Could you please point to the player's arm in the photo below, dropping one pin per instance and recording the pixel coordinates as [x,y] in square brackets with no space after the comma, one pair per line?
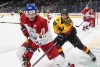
[23,28]
[56,28]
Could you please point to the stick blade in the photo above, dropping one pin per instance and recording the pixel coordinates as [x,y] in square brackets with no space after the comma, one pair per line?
[77,26]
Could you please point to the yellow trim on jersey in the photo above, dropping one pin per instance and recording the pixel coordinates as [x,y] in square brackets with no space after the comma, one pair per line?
[87,50]
[65,27]
[60,50]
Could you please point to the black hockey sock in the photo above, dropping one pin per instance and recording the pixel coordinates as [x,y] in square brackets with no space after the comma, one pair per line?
[62,54]
[60,50]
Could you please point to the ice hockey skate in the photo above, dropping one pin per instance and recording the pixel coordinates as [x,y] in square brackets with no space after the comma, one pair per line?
[70,65]
[92,56]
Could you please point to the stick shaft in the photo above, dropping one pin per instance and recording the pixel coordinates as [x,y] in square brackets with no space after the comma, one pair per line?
[10,22]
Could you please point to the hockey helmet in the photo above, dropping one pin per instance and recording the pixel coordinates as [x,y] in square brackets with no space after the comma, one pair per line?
[30,8]
[64,11]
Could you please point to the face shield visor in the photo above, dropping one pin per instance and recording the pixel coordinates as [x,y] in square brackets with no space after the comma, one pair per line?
[31,14]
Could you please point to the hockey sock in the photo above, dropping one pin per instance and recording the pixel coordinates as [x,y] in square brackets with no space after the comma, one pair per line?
[86,50]
[60,50]
[62,54]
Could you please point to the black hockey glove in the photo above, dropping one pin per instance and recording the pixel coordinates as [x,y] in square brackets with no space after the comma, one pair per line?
[23,28]
[59,39]
[29,48]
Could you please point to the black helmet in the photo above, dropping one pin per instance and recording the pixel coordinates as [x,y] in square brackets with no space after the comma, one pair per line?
[64,11]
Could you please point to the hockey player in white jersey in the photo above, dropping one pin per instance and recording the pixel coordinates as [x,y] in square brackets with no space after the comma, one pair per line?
[86,18]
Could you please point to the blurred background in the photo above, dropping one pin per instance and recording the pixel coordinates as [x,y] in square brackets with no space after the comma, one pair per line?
[54,6]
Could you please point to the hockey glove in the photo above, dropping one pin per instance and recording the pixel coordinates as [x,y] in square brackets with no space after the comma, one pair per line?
[59,39]
[28,53]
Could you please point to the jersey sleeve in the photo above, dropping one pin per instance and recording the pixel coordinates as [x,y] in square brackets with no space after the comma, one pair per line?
[23,20]
[55,27]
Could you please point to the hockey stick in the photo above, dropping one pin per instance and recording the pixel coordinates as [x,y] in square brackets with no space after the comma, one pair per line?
[10,22]
[87,4]
[83,9]
[79,25]
[43,55]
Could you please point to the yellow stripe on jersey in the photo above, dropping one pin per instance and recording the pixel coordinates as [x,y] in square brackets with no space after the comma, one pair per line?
[87,50]
[60,50]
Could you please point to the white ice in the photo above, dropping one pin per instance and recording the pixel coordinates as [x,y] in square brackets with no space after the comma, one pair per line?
[11,38]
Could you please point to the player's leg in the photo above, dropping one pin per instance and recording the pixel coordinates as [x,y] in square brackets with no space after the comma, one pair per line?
[25,53]
[84,26]
[20,52]
[93,22]
[75,41]
[60,50]
[54,54]
[87,24]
